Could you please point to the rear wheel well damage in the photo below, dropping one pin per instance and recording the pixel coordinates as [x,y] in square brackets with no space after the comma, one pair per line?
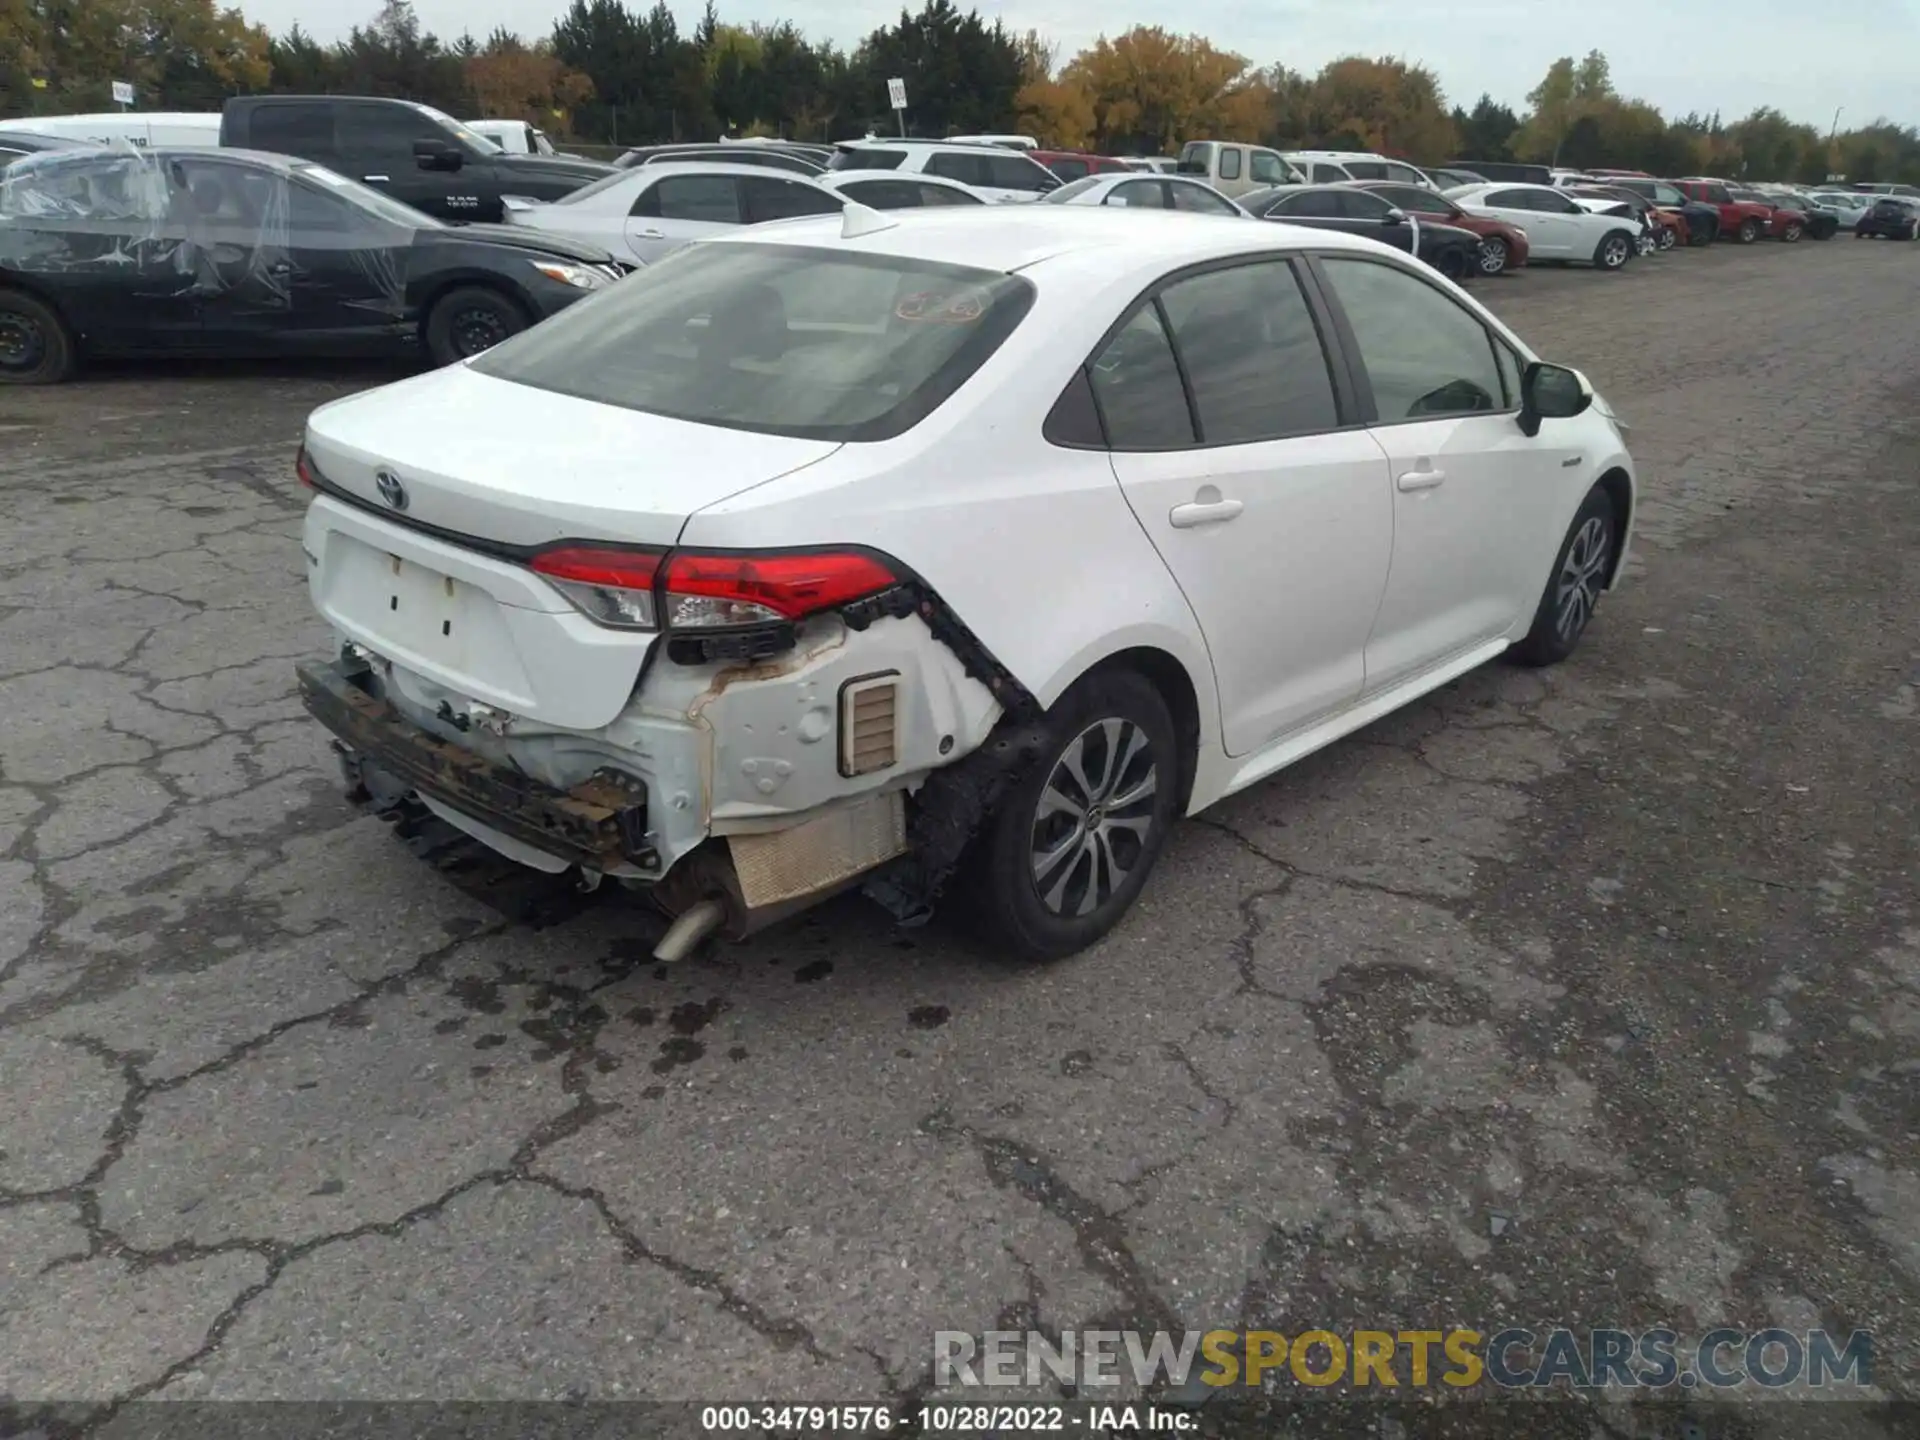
[956,802]
[1619,492]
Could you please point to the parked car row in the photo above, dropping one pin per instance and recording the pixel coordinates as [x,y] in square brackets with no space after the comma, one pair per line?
[363,225]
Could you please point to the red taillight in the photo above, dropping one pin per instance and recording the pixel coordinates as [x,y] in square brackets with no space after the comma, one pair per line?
[303,467]
[612,586]
[716,590]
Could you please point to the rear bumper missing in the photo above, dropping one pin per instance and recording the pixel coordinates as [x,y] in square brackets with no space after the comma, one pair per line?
[599,824]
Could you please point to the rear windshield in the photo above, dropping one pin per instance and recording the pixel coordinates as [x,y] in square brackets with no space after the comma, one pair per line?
[778,339]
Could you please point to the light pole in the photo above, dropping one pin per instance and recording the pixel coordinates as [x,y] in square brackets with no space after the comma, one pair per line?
[1835,130]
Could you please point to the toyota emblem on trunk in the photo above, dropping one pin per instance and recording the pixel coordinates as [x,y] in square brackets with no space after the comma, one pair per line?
[391,490]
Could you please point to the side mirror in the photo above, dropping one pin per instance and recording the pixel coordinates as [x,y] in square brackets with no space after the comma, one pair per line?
[436,155]
[1395,216]
[1551,392]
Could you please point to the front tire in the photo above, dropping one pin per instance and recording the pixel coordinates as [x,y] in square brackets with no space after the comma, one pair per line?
[1073,842]
[36,348]
[1494,256]
[1615,250]
[1579,574]
[470,320]
[1748,232]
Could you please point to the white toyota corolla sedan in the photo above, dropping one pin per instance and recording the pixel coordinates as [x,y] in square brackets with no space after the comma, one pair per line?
[956,551]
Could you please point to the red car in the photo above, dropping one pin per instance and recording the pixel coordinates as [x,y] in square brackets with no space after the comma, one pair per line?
[1740,220]
[1072,165]
[1503,247]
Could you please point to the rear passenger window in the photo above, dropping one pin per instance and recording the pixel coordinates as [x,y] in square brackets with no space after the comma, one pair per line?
[1229,163]
[1200,199]
[1069,169]
[1138,195]
[710,199]
[303,130]
[1252,354]
[885,194]
[771,199]
[943,195]
[1137,386]
[967,169]
[1425,355]
[1016,172]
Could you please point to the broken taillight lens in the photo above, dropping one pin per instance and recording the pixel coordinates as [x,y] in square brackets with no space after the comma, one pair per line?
[612,586]
[726,590]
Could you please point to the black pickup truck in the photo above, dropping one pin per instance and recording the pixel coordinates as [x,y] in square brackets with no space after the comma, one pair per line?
[412,152]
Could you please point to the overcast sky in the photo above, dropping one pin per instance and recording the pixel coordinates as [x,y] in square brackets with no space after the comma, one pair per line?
[1801,56]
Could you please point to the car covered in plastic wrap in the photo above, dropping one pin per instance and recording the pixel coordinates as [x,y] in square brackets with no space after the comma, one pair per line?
[221,252]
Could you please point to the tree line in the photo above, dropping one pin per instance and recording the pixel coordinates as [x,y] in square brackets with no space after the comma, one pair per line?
[614,74]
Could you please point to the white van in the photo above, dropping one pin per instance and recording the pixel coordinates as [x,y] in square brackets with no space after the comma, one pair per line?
[138,127]
[1235,169]
[516,137]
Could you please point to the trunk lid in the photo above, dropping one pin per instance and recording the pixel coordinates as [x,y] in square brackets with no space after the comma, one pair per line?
[516,466]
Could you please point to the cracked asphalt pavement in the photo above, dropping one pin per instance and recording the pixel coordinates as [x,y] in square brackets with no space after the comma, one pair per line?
[1586,997]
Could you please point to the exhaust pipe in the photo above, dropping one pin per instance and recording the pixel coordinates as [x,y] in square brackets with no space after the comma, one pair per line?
[689,928]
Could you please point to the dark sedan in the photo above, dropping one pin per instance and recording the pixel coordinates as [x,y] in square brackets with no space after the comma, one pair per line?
[1892,217]
[1452,251]
[1503,247]
[1701,219]
[230,252]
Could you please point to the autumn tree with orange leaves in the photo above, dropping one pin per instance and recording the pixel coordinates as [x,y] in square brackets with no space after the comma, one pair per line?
[513,80]
[1145,91]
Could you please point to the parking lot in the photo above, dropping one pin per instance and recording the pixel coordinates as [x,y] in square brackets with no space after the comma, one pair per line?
[1585,997]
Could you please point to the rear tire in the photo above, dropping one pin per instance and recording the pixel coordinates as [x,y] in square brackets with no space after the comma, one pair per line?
[1668,239]
[1574,585]
[36,348]
[1792,234]
[1042,882]
[1748,232]
[470,320]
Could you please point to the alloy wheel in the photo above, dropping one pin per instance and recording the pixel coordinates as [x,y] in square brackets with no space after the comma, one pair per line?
[1582,574]
[1094,817]
[1493,255]
[1614,253]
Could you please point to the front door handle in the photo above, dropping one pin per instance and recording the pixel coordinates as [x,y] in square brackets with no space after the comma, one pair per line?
[1203,512]
[378,179]
[1421,479]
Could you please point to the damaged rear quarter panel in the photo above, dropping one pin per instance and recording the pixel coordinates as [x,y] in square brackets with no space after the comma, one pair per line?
[773,727]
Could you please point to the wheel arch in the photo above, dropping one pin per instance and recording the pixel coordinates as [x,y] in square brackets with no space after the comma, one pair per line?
[25,286]
[1185,682]
[1617,486]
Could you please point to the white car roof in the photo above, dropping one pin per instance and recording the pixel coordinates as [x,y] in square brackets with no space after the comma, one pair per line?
[1467,192]
[918,146]
[715,167]
[1012,237]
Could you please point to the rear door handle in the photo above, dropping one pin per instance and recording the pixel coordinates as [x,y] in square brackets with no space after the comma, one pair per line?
[1209,512]
[1421,479]
[378,179]
[651,235]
